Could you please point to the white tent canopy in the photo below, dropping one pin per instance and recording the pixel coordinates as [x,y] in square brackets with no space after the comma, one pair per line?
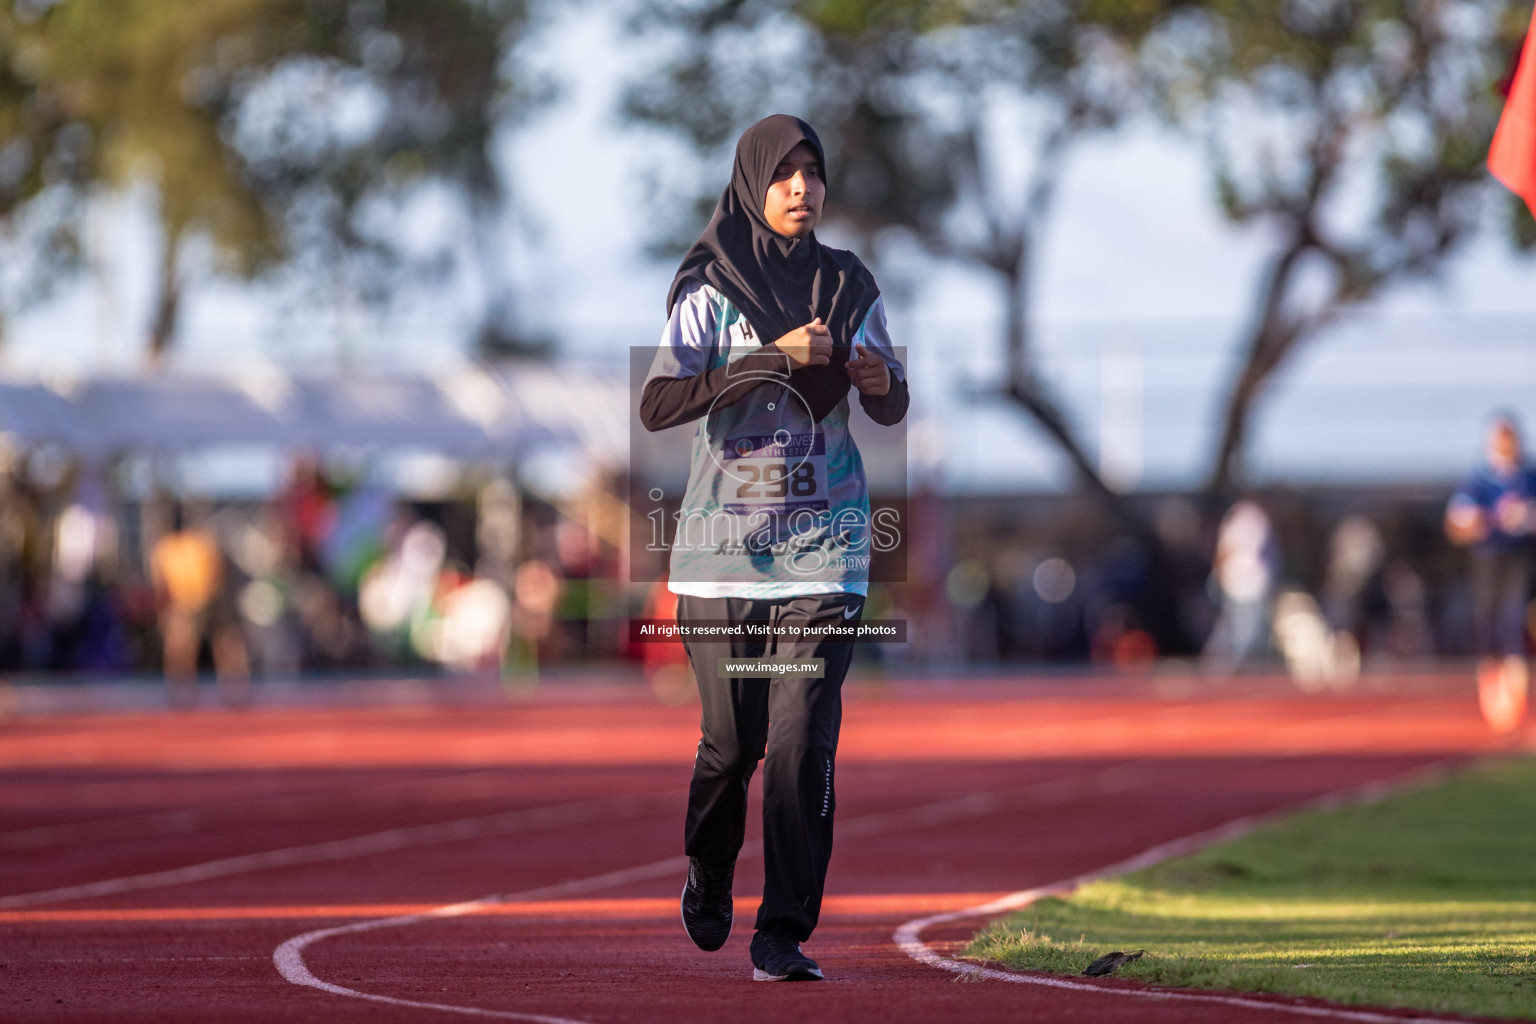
[508,410]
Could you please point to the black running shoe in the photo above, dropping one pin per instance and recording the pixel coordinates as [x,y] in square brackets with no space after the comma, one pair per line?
[777,957]
[707,908]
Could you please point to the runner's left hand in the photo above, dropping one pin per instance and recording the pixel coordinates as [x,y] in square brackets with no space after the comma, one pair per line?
[1513,513]
[869,373]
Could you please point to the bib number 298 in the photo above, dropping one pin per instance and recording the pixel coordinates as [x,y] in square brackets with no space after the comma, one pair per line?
[775,480]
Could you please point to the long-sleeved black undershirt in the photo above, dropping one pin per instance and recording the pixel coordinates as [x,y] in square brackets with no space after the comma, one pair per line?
[672,401]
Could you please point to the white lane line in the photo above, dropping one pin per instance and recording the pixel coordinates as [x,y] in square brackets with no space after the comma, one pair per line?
[258,810]
[577,813]
[289,957]
[506,823]
[909,936]
[131,959]
[267,809]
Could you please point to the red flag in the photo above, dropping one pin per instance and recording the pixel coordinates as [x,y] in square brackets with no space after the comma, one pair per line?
[1512,157]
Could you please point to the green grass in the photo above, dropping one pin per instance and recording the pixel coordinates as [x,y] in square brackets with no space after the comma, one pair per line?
[1426,900]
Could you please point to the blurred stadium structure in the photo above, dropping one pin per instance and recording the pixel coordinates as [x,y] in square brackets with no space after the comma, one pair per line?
[509,474]
[478,414]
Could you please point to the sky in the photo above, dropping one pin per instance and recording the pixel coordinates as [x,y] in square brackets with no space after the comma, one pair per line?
[1141,298]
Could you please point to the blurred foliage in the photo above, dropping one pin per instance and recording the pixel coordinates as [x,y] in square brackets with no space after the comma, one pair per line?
[1356,129]
[903,93]
[926,110]
[1522,226]
[267,127]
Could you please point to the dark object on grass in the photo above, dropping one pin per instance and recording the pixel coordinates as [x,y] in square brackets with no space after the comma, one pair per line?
[1111,962]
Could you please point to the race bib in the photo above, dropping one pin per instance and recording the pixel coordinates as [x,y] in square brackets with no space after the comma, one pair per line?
[778,474]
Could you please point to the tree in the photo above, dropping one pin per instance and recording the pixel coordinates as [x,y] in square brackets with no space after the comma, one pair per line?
[921,105]
[1357,130]
[270,127]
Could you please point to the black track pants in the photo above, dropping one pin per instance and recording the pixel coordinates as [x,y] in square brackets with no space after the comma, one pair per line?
[1501,585]
[795,722]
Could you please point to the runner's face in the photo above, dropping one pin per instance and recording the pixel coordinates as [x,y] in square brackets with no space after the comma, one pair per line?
[796,193]
[1503,447]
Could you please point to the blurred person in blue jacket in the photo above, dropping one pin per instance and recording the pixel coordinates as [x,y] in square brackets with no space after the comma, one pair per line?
[1243,576]
[1494,515]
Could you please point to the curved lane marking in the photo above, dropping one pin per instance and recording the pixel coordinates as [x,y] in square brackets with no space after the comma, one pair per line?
[289,958]
[908,937]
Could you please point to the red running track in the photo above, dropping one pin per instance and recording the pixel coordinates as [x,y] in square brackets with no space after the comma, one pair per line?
[152,864]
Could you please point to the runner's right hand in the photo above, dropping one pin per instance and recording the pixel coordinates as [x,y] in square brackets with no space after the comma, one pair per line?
[810,345]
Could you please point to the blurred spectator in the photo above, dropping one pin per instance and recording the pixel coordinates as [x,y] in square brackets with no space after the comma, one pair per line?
[1315,654]
[493,573]
[1494,514]
[332,638]
[188,572]
[1119,640]
[498,530]
[265,602]
[972,593]
[353,537]
[666,664]
[577,553]
[1352,596]
[1118,633]
[536,592]
[308,509]
[86,614]
[475,627]
[1244,571]
[395,597]
[1407,632]
[1178,525]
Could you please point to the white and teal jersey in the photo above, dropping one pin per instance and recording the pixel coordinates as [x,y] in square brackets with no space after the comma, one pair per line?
[776,505]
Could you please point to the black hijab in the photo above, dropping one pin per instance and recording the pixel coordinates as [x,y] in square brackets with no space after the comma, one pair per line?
[780,283]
